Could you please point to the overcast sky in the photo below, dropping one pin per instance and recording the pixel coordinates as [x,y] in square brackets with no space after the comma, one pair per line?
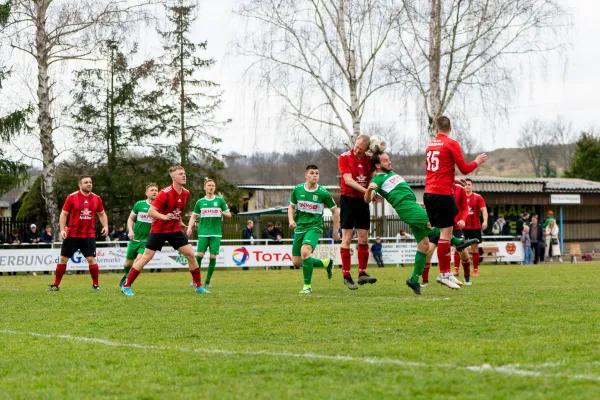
[558,88]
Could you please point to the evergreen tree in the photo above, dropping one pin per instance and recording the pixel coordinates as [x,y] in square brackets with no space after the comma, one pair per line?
[584,164]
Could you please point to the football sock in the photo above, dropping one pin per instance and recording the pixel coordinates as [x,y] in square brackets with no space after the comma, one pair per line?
[199,259]
[60,271]
[476,261]
[346,263]
[420,259]
[467,268]
[211,268]
[196,277]
[363,258]
[456,261]
[131,276]
[126,269]
[317,263]
[425,271]
[444,256]
[307,270]
[94,274]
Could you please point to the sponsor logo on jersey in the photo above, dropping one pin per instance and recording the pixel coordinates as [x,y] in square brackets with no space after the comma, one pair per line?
[310,207]
[315,197]
[210,212]
[362,180]
[391,183]
[177,212]
[144,217]
[85,202]
[179,201]
[86,214]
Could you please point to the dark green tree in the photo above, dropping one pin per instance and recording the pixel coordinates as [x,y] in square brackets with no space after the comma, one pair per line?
[190,103]
[12,174]
[584,164]
[549,170]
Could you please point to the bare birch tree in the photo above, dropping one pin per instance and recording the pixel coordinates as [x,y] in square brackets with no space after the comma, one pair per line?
[322,58]
[565,137]
[468,51]
[53,31]
[537,142]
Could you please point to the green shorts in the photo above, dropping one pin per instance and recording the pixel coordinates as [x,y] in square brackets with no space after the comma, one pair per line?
[300,239]
[212,242]
[415,216]
[134,248]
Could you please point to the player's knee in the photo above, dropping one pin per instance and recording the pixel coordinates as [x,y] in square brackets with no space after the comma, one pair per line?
[200,254]
[213,256]
[91,260]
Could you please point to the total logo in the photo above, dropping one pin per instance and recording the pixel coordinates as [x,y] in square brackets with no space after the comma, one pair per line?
[241,256]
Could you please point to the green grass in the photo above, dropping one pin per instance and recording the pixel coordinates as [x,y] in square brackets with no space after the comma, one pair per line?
[517,333]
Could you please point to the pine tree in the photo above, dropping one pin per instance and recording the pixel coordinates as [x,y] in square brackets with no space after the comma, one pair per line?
[584,164]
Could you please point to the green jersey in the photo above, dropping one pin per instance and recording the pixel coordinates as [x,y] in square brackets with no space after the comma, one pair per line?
[309,206]
[143,222]
[393,188]
[210,211]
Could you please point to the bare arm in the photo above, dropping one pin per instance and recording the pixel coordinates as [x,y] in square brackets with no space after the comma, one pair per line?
[130,221]
[291,215]
[63,224]
[484,212]
[336,224]
[191,223]
[352,183]
[104,221]
[153,213]
[226,214]
[369,195]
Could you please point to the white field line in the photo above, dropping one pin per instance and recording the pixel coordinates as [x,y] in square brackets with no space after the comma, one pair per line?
[512,369]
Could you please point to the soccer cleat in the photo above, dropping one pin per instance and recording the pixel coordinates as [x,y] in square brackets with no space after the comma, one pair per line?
[192,284]
[307,290]
[201,290]
[330,269]
[447,282]
[364,278]
[475,272]
[465,244]
[207,284]
[414,286]
[425,284]
[126,290]
[454,280]
[349,282]
[53,288]
[96,288]
[468,283]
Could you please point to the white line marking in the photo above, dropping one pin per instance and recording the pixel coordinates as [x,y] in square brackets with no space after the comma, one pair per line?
[512,369]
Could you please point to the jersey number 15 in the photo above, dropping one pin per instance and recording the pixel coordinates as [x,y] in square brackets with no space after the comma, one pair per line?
[433,162]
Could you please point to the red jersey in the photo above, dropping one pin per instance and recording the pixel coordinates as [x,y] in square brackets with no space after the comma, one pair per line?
[82,211]
[475,203]
[460,198]
[168,201]
[441,155]
[360,170]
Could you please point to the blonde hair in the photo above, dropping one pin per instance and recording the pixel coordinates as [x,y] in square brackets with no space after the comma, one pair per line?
[175,168]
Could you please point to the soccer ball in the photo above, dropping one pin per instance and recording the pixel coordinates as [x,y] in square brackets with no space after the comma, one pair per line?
[376,144]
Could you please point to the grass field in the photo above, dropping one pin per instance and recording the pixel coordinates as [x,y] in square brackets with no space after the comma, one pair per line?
[518,333]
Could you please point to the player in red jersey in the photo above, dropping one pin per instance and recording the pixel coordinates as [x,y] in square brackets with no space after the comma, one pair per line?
[80,208]
[166,211]
[473,226]
[442,155]
[355,171]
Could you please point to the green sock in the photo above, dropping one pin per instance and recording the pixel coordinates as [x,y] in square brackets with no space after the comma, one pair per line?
[454,241]
[199,259]
[420,259]
[317,263]
[307,270]
[211,268]
[124,278]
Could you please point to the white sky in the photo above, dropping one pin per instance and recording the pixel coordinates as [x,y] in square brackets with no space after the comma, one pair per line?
[569,90]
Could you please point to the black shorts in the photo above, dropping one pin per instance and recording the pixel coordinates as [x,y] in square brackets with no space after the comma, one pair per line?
[473,234]
[156,241]
[434,238]
[354,213]
[87,247]
[441,209]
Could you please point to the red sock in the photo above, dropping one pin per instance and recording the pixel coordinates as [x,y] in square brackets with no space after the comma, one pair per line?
[94,274]
[476,261]
[426,272]
[346,262]
[467,267]
[60,271]
[456,261]
[363,258]
[196,277]
[444,256]
[131,276]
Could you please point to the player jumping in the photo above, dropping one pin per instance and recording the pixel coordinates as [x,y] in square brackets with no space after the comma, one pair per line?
[395,190]
[305,215]
[442,155]
[138,225]
[211,209]
[80,208]
[166,213]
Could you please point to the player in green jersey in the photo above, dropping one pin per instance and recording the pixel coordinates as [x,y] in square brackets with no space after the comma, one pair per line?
[210,209]
[305,215]
[393,188]
[138,225]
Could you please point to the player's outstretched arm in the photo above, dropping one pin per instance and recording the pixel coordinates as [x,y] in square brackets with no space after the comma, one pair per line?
[336,224]
[291,215]
[369,195]
[63,224]
[104,221]
[130,221]
[352,183]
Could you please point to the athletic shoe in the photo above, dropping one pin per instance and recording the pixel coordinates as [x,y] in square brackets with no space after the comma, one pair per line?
[307,290]
[201,290]
[53,288]
[465,244]
[454,280]
[425,284]
[330,269]
[126,290]
[192,284]
[365,278]
[349,282]
[447,282]
[34,274]
[475,272]
[468,283]
[414,286]
[208,284]
[96,288]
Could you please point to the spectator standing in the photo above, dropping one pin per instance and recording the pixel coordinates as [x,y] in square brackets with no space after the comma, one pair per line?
[377,253]
[32,236]
[537,237]
[278,232]
[14,237]
[248,236]
[527,250]
[119,234]
[48,235]
[521,222]
[269,233]
[501,227]
[552,242]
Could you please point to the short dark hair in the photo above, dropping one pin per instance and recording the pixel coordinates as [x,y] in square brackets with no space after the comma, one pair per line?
[443,124]
[469,180]
[82,177]
[311,166]
[375,159]
[270,224]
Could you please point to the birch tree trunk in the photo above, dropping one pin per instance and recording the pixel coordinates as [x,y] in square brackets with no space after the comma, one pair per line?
[435,39]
